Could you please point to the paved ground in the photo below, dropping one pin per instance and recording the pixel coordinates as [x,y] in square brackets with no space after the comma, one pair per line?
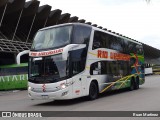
[147,98]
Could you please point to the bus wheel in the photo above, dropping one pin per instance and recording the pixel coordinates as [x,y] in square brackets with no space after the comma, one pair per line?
[93,91]
[136,84]
[132,86]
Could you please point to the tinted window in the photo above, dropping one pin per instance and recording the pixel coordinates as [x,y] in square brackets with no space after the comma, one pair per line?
[110,68]
[131,47]
[52,38]
[100,40]
[126,46]
[116,43]
[81,34]
[104,40]
[97,41]
[78,59]
[139,49]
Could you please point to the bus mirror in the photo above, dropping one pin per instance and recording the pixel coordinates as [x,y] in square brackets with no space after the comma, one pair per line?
[20,54]
[71,47]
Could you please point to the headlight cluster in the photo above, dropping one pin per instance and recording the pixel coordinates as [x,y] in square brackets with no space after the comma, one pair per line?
[64,85]
[29,88]
[60,87]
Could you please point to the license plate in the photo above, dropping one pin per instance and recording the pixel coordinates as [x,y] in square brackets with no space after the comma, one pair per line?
[45,96]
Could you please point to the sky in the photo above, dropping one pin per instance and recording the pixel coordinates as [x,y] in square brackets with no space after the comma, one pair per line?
[136,19]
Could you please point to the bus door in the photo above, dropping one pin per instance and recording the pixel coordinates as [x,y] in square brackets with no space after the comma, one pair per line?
[84,83]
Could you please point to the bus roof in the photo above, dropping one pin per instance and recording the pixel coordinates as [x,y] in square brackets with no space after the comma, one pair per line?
[65,25]
[117,35]
[94,28]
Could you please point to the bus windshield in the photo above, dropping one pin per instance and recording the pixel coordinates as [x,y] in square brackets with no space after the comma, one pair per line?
[52,38]
[48,69]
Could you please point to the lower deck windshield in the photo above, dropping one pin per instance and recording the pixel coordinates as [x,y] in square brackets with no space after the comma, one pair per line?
[48,69]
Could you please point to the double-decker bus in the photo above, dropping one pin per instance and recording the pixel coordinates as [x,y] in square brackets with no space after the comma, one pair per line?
[73,60]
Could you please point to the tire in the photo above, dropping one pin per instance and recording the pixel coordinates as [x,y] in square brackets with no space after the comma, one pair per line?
[93,91]
[132,85]
[136,87]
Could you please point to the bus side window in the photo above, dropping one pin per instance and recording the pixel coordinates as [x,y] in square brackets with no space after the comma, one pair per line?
[116,43]
[132,47]
[139,49]
[81,35]
[96,41]
[78,58]
[98,68]
[94,69]
[99,40]
[126,47]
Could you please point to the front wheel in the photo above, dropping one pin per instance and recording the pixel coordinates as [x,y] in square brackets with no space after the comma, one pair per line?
[93,91]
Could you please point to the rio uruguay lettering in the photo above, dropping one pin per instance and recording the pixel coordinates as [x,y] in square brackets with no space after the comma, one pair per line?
[46,53]
[113,55]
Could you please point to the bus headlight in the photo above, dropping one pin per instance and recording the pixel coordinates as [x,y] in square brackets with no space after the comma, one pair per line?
[29,88]
[64,85]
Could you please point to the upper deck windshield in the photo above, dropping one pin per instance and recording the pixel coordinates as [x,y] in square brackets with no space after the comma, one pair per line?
[52,38]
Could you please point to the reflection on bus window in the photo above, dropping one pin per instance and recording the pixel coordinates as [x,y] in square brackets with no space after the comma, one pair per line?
[52,38]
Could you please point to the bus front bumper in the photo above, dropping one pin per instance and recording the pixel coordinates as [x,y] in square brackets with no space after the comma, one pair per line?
[62,94]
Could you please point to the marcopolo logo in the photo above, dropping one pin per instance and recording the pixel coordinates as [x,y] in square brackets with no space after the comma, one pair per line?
[44,88]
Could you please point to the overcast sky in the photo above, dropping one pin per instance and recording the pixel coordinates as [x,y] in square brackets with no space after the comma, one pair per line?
[133,18]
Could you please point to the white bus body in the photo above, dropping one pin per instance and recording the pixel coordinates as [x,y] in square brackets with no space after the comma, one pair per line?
[82,65]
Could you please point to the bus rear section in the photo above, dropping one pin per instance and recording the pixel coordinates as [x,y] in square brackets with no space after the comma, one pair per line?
[115,62]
